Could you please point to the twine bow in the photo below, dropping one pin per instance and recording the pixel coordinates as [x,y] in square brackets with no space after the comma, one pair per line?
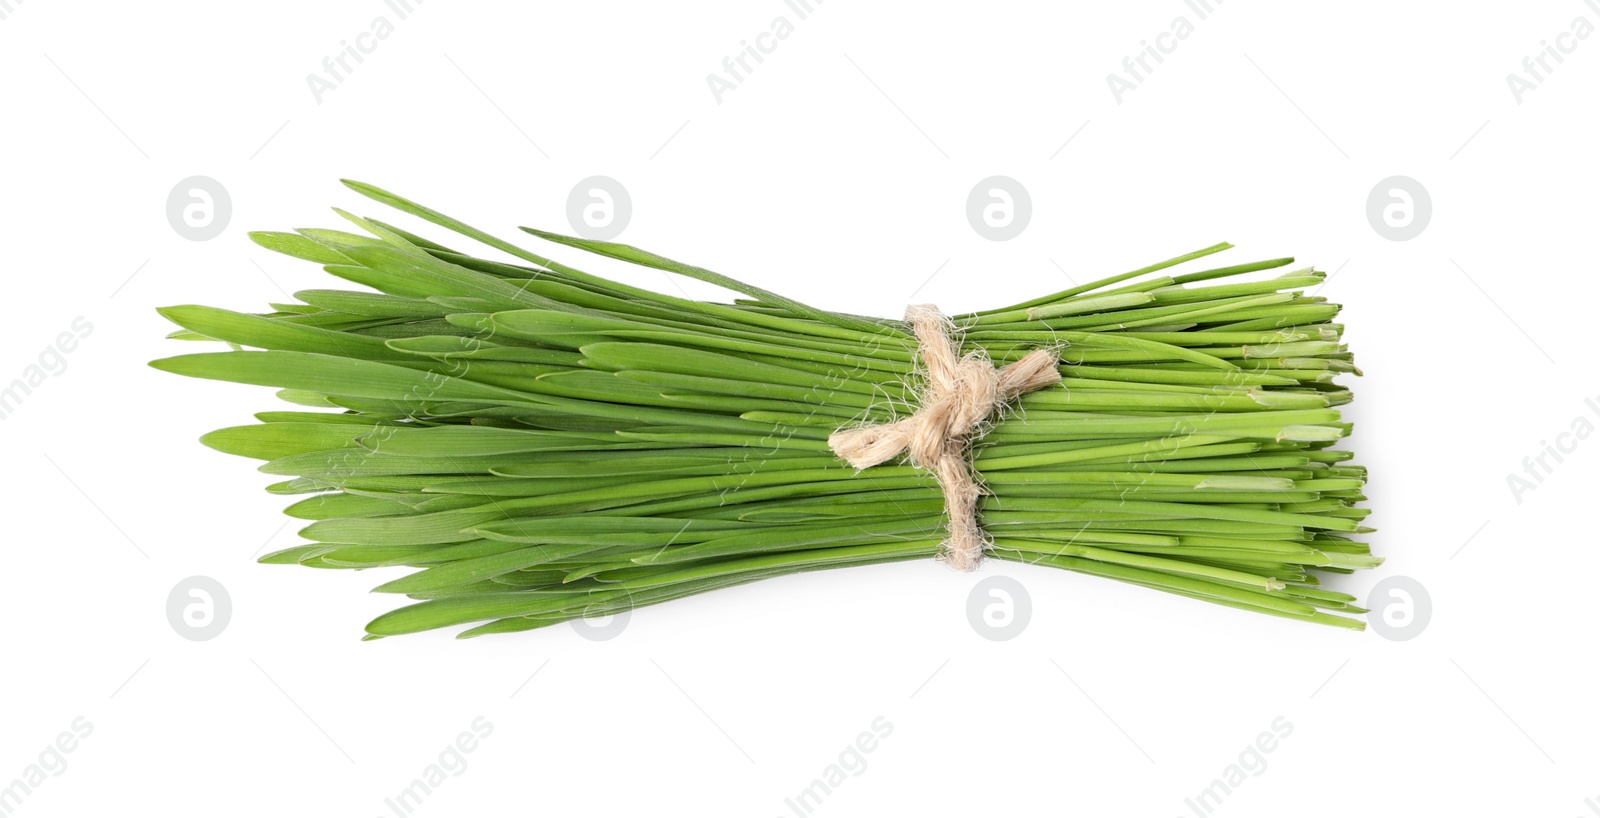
[962,392]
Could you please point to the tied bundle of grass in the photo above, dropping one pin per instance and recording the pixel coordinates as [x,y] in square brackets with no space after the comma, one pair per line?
[545,444]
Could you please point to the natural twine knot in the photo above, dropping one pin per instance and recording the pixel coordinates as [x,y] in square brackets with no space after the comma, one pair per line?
[962,392]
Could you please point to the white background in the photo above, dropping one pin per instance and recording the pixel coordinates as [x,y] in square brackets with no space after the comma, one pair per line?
[837,173]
